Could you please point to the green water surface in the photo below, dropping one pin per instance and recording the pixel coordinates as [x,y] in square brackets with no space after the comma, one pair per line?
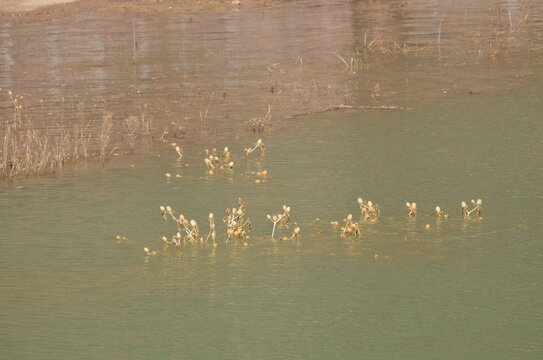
[465,289]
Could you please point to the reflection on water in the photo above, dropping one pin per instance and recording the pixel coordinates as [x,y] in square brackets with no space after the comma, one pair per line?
[462,289]
[213,72]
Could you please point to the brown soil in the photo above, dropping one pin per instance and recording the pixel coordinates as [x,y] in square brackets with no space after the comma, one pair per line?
[38,10]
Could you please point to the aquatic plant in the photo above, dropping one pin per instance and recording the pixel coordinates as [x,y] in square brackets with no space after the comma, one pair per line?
[283,219]
[190,228]
[411,209]
[350,228]
[147,252]
[477,205]
[212,161]
[179,152]
[439,213]
[295,234]
[237,225]
[369,211]
[212,233]
[258,145]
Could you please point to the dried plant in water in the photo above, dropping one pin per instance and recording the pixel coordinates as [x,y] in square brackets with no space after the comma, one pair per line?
[411,209]
[439,213]
[477,205]
[258,145]
[237,225]
[369,211]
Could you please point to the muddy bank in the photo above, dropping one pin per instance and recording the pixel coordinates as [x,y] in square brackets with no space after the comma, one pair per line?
[203,73]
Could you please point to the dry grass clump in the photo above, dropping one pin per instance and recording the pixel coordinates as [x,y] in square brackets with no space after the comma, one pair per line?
[26,150]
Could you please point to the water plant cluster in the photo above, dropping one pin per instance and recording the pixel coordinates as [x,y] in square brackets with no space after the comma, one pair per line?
[239,225]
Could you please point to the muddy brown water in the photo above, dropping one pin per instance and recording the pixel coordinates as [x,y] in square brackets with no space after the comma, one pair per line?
[203,76]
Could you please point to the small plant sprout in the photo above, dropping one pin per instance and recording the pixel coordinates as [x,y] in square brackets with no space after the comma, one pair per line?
[147,252]
[283,219]
[258,144]
[211,228]
[295,234]
[213,161]
[351,227]
[368,210]
[274,219]
[411,209]
[237,225]
[477,205]
[183,225]
[179,152]
[440,213]
[226,154]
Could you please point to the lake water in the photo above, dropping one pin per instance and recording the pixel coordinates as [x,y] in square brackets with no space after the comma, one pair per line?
[461,289]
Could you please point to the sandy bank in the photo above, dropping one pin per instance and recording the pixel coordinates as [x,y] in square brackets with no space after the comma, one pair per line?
[28,5]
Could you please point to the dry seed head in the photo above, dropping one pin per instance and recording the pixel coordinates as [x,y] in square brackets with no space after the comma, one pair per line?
[414,206]
[168,175]
[178,235]
[231,164]
[464,205]
[288,209]
[349,217]
[438,209]
[146,250]
[473,201]
[164,239]
[192,222]
[259,142]
[162,208]
[479,202]
[370,204]
[297,230]
[210,216]
[226,149]
[359,200]
[168,208]
[177,148]
[284,207]
[408,205]
[269,216]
